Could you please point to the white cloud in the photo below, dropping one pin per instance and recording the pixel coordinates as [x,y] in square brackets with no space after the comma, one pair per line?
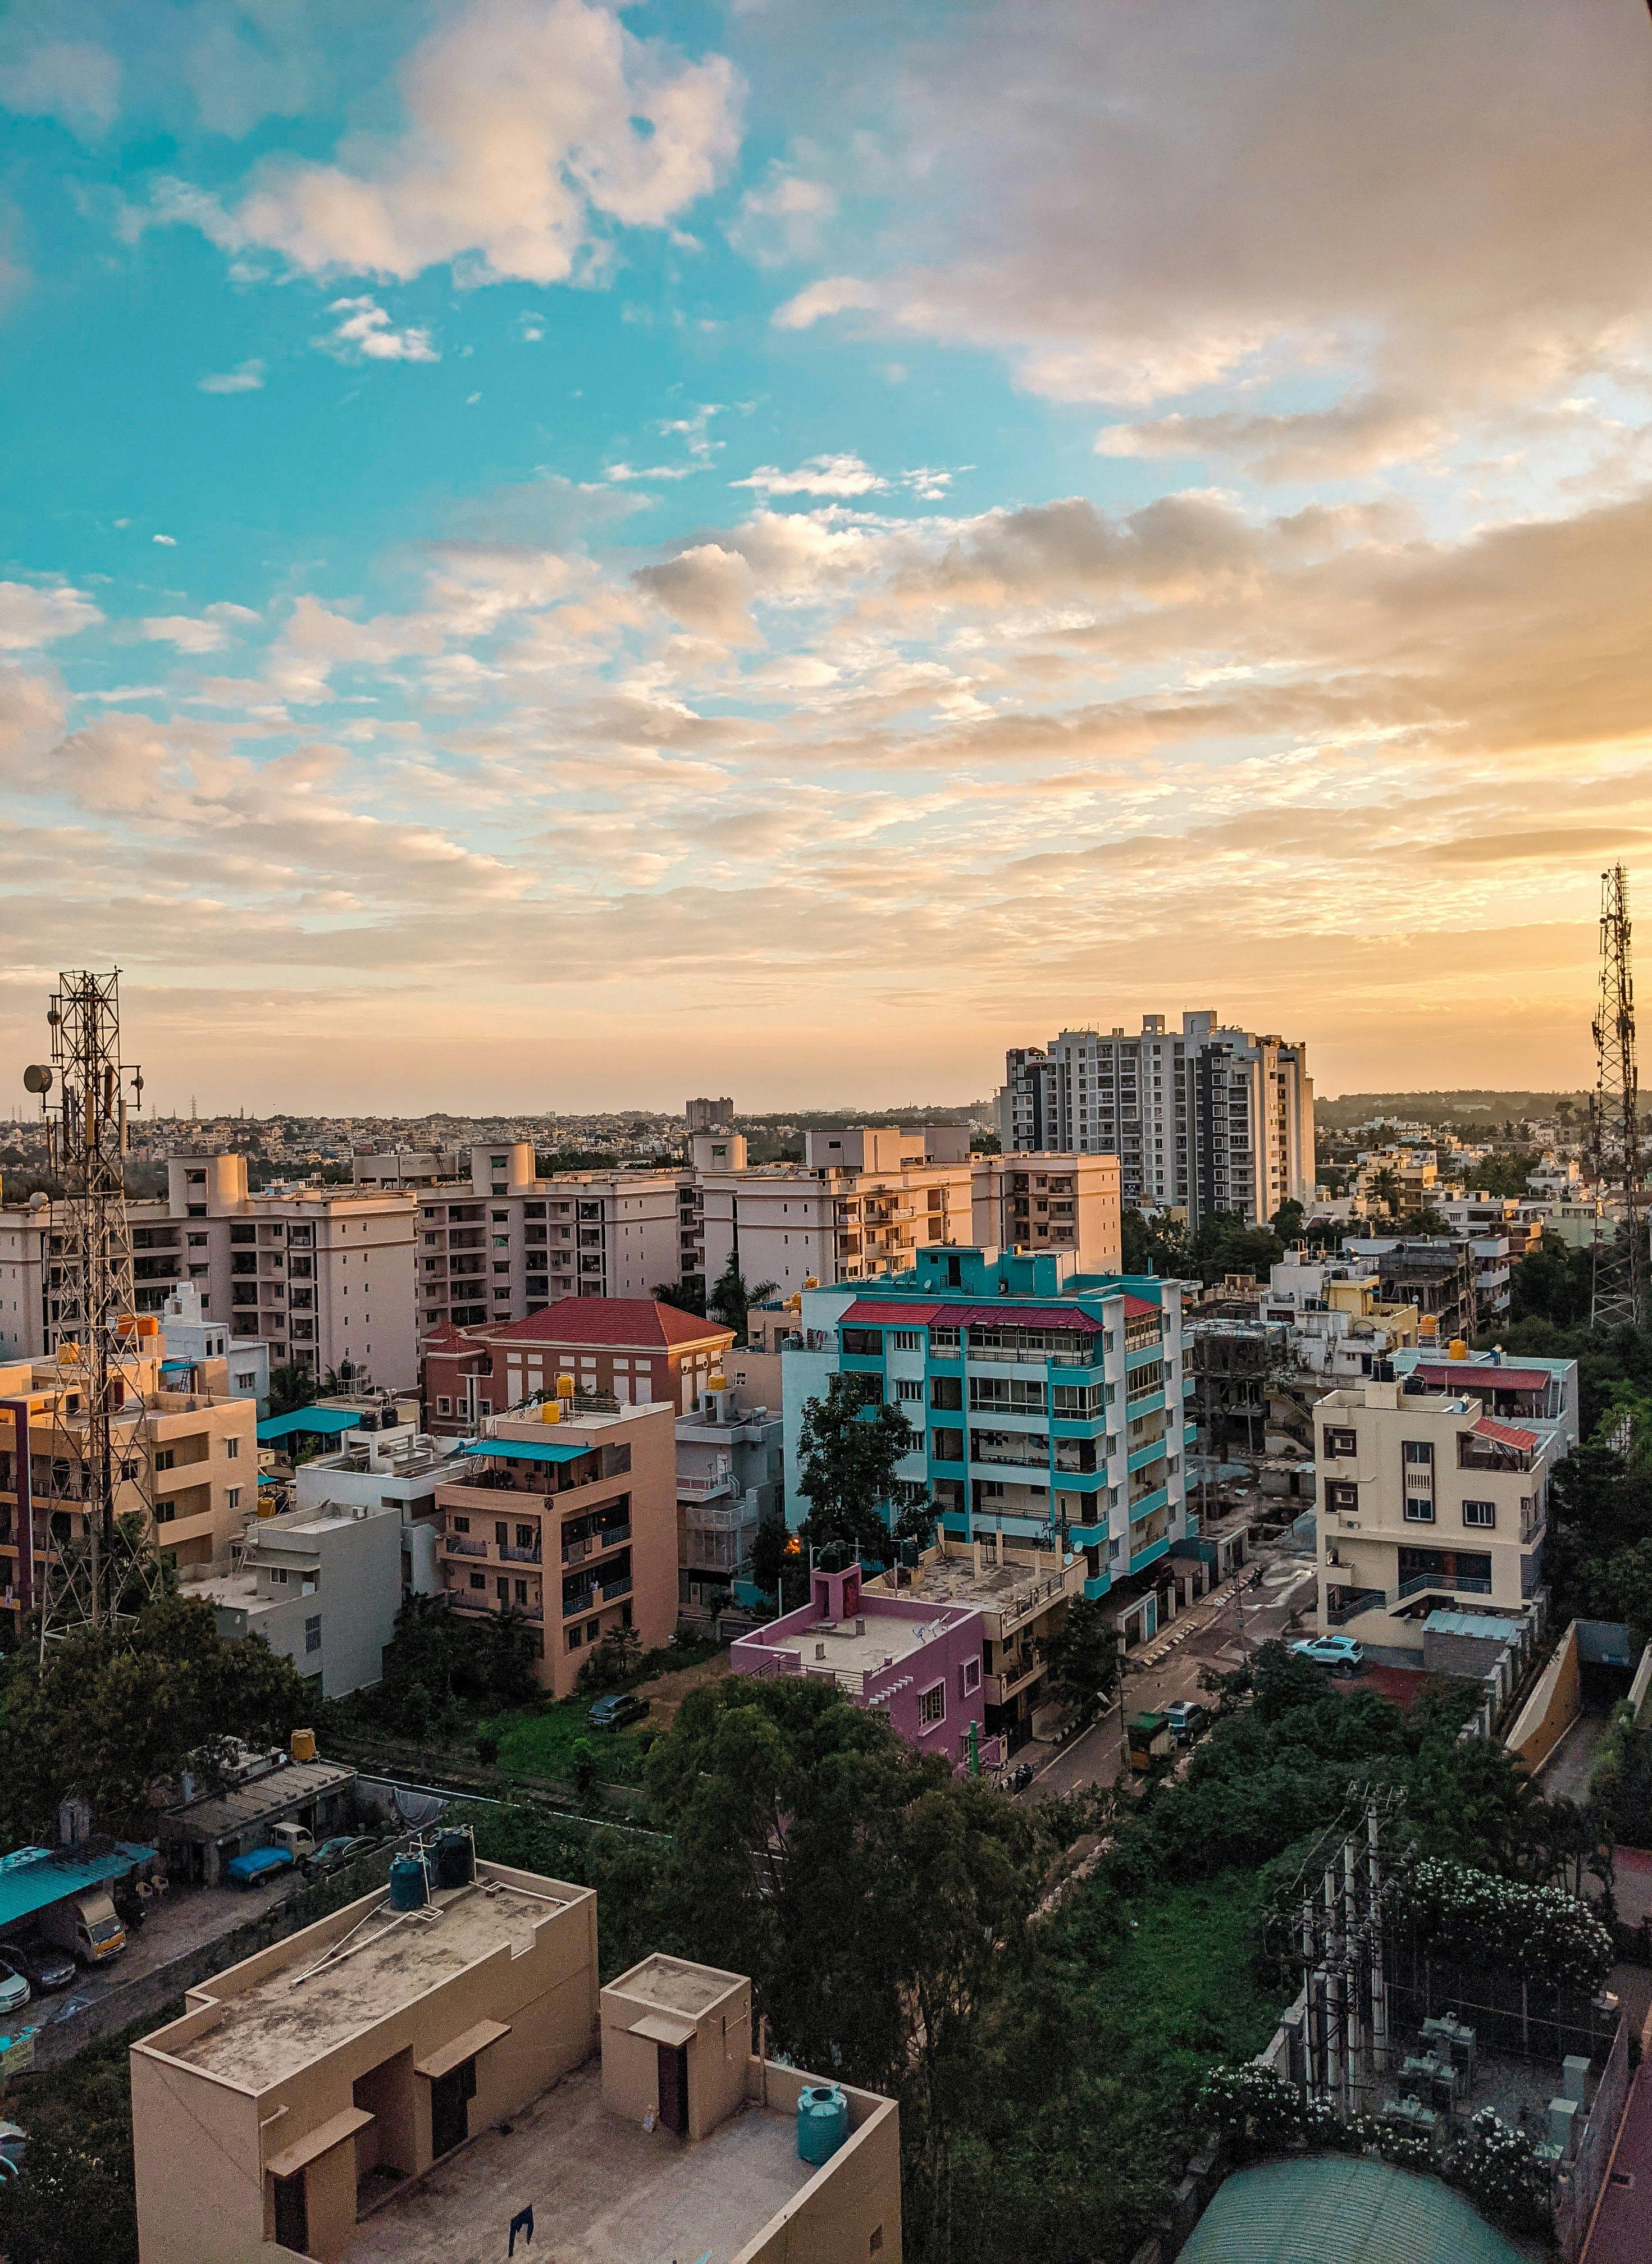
[523,119]
[783,218]
[71,80]
[621,472]
[364,332]
[822,475]
[31,615]
[195,633]
[246,377]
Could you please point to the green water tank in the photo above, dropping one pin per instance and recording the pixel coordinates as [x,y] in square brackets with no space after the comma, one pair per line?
[822,2122]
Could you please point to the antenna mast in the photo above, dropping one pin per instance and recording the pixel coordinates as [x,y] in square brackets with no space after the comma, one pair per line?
[99,1567]
[1618,1297]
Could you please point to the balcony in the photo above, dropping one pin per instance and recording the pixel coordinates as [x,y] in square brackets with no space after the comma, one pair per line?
[513,1554]
[1446,1583]
[617,1587]
[1351,1602]
[692,1486]
[460,1544]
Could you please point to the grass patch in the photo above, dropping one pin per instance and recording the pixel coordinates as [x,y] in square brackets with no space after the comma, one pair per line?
[1178,1991]
[540,1741]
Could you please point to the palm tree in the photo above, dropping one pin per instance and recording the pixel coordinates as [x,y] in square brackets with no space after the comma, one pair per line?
[731,1301]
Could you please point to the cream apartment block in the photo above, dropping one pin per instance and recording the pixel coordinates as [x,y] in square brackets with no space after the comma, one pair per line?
[193,1453]
[567,1520]
[1433,1491]
[1202,1118]
[299,2106]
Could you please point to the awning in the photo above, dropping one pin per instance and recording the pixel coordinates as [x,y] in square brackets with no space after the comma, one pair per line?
[885,1313]
[325,1422]
[320,2141]
[526,1450]
[661,2028]
[1507,1434]
[461,2049]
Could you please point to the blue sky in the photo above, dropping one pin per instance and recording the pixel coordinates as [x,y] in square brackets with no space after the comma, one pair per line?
[550,555]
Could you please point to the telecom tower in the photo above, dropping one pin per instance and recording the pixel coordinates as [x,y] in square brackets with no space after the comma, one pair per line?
[1618,1293]
[99,1565]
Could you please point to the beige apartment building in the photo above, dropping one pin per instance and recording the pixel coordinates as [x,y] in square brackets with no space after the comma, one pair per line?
[414,2081]
[1434,1494]
[194,1453]
[569,1522]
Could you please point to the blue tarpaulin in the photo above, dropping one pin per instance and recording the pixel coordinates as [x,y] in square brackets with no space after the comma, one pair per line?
[325,1422]
[526,1450]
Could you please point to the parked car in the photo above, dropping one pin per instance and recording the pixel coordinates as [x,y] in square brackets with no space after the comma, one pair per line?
[333,1855]
[13,2141]
[1186,1717]
[1340,1652]
[258,1867]
[14,1982]
[44,1965]
[613,1712]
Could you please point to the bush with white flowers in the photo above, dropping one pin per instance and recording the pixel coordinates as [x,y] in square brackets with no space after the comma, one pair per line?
[1475,1918]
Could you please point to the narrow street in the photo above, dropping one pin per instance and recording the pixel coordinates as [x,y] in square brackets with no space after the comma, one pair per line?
[1206,1635]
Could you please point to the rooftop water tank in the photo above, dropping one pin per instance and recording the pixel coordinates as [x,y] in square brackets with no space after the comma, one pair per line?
[822,2122]
[408,1888]
[302,1745]
[455,1857]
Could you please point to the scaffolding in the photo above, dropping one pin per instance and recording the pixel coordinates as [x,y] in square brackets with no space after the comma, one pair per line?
[1618,1293]
[99,1567]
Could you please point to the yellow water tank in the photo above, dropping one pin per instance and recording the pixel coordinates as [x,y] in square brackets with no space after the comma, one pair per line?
[303,1745]
[1428,1325]
[716,1383]
[551,1412]
[147,1326]
[795,1302]
[811,1280]
[564,1386]
[69,1353]
[1456,1349]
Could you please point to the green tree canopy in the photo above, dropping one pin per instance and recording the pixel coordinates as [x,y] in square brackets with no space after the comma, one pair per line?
[849,1444]
[730,1301]
[1083,1659]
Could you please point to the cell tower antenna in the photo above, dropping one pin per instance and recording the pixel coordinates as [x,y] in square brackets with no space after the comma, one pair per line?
[1618,1297]
[98,1561]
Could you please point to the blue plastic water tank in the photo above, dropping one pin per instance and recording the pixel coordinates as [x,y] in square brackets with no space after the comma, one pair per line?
[822,2122]
[407,1890]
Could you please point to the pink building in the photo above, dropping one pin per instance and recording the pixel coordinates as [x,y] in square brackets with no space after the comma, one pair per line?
[919,1664]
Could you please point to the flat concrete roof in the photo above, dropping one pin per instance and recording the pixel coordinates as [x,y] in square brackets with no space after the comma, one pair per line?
[603,2190]
[676,1987]
[886,1640]
[287,1785]
[285,2023]
[1008,1587]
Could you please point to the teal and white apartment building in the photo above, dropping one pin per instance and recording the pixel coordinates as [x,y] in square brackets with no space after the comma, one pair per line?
[1049,1403]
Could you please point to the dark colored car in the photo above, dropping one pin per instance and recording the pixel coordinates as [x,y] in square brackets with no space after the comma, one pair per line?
[613,1713]
[41,1963]
[333,1855]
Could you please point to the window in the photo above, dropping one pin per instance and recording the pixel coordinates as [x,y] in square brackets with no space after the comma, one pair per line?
[862,1340]
[1342,1445]
[502,1589]
[1419,1454]
[932,1707]
[461,1525]
[313,1635]
[1483,1513]
[526,1535]
[1342,1500]
[574,1637]
[1419,1509]
[972,1676]
[946,1392]
[946,1446]
[907,1340]
[478,1580]
[232,1449]
[164,1457]
[909,1387]
[234,1497]
[522,1592]
[444,1406]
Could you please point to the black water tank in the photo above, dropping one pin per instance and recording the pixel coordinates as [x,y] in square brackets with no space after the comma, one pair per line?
[455,1858]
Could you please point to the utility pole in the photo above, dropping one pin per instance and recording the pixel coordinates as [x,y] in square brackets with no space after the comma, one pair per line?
[99,1568]
[1618,1296]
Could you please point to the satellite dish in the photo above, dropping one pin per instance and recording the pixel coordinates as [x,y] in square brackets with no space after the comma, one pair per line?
[36,1077]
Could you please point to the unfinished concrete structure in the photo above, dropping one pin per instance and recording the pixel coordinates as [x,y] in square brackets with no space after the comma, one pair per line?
[406,2084]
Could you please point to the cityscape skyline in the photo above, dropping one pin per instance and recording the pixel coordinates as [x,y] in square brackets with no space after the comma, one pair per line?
[834,542]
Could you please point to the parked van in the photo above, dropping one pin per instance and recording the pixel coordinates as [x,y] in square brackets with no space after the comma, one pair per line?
[86,1925]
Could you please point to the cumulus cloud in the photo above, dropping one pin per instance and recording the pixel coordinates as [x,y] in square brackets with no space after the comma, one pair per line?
[526,121]
[73,81]
[784,217]
[203,632]
[364,332]
[246,377]
[843,475]
[707,588]
[33,615]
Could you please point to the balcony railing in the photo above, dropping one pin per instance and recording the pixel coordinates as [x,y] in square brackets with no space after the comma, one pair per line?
[1450,1583]
[697,1488]
[612,1588]
[460,1544]
[513,1554]
[1355,1600]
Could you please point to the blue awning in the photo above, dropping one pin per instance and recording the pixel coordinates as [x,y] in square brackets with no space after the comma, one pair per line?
[326,1422]
[35,1877]
[526,1450]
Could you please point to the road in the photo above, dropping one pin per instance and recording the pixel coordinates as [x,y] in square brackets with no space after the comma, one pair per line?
[1205,1636]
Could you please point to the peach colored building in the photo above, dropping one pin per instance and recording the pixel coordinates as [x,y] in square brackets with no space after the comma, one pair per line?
[569,1523]
[194,1453]
[408,2084]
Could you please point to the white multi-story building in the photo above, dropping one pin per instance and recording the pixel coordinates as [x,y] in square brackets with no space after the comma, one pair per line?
[1205,1119]
[1433,1491]
[730,1459]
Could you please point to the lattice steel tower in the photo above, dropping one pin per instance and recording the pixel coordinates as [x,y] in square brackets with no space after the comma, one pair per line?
[1619,1292]
[98,1565]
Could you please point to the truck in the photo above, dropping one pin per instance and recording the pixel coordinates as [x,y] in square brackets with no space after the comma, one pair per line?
[258,1866]
[86,1924]
[298,1842]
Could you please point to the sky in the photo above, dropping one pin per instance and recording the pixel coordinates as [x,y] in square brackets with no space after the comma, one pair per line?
[555,556]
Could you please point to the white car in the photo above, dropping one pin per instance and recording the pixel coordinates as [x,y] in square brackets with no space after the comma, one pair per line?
[14,1990]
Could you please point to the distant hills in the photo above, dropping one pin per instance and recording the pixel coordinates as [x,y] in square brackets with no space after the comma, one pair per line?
[1474,1106]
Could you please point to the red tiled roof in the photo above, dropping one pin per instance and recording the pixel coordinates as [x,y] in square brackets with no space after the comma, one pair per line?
[445,1337]
[1506,1434]
[1468,1375]
[1137,1309]
[875,1312]
[628,1321]
[1011,1314]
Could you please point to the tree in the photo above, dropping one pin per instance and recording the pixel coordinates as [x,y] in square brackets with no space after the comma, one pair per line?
[1552,1283]
[1156,1246]
[773,1550]
[1287,1220]
[110,1719]
[1384,1187]
[1227,1243]
[613,1663]
[1083,1659]
[730,1301]
[1427,1221]
[849,1445]
[291,1388]
[677,1294]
